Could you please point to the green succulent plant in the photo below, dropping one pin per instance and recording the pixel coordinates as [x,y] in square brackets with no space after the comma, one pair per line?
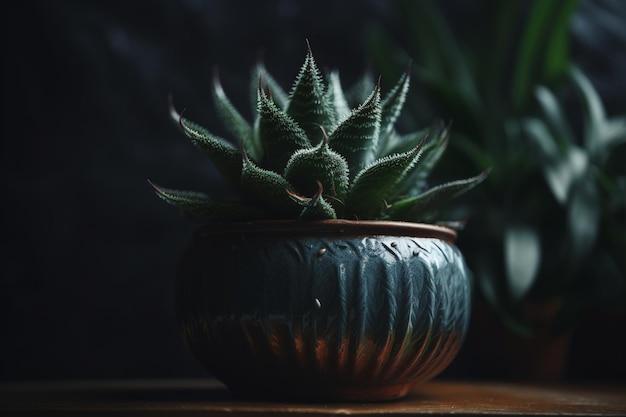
[309,156]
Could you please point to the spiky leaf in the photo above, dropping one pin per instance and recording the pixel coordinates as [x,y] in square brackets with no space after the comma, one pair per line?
[267,189]
[375,185]
[397,143]
[356,138]
[223,154]
[337,98]
[199,206]
[554,117]
[279,96]
[315,208]
[418,208]
[392,104]
[308,104]
[320,165]
[231,118]
[431,154]
[280,134]
[356,184]
[562,168]
[360,90]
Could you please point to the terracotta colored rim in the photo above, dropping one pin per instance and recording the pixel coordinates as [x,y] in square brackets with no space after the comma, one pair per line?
[339,227]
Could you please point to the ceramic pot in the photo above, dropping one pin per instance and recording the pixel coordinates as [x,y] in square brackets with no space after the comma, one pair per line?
[326,310]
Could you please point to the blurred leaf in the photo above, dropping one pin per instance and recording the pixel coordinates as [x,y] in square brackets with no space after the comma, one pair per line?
[522,256]
[337,98]
[543,48]
[583,217]
[397,143]
[556,62]
[279,96]
[436,50]
[539,131]
[614,135]
[554,117]
[594,110]
[601,134]
[505,15]
[467,112]
[479,156]
[392,104]
[561,168]
[360,90]
[230,117]
[491,288]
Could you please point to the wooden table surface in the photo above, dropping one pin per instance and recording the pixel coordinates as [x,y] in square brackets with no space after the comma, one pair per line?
[209,398]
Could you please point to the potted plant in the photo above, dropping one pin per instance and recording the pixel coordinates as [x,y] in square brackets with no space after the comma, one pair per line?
[330,277]
[550,219]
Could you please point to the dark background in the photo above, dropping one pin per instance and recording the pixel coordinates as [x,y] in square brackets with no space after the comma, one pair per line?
[89,253]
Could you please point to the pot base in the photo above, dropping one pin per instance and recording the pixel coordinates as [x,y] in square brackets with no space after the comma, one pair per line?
[316,394]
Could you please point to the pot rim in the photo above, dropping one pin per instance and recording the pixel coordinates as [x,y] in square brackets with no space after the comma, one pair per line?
[339,227]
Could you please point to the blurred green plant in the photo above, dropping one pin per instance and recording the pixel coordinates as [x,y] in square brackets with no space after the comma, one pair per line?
[584,177]
[549,222]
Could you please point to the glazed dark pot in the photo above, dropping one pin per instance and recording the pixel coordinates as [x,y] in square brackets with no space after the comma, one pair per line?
[328,310]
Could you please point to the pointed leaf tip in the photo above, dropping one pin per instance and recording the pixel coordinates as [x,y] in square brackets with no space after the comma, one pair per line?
[356,137]
[223,154]
[316,207]
[230,117]
[216,77]
[171,108]
[393,103]
[309,105]
[378,183]
[153,185]
[420,207]
[320,190]
[325,136]
[181,122]
[279,133]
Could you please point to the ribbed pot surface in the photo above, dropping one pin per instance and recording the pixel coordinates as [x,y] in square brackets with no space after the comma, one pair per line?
[332,315]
